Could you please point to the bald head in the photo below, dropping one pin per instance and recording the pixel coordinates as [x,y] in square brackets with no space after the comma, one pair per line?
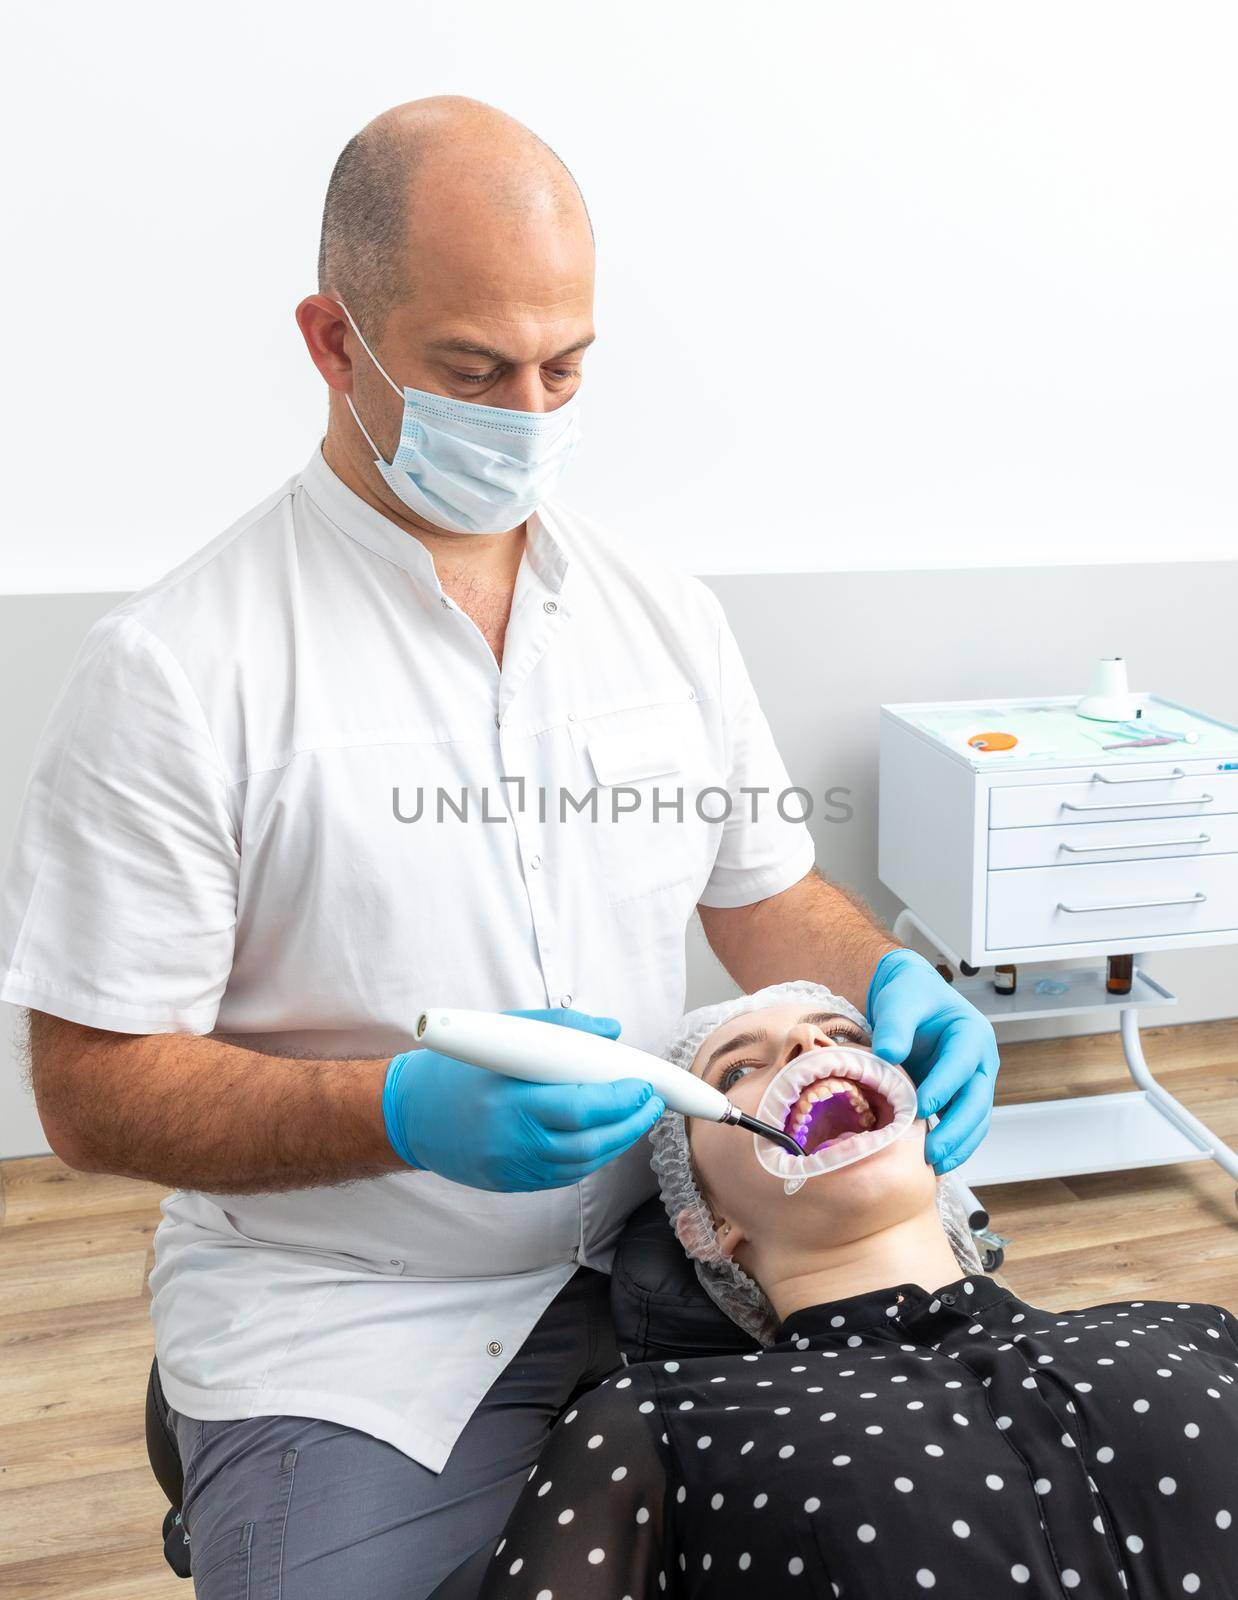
[416,174]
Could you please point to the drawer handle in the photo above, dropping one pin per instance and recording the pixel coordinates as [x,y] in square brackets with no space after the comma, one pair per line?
[1135,805]
[1196,899]
[1161,777]
[1139,844]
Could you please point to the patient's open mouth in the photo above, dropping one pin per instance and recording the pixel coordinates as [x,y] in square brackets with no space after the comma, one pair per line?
[840,1104]
[833,1109]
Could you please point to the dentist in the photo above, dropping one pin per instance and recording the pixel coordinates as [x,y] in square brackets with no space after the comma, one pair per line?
[314,778]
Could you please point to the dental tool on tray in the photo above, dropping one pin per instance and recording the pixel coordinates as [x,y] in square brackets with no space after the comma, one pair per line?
[543,1052]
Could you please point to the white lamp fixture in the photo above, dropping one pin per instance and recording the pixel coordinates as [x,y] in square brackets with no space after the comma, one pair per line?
[1109,698]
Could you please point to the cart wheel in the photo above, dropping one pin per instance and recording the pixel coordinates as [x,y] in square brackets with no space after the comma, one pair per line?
[992,1258]
[968,971]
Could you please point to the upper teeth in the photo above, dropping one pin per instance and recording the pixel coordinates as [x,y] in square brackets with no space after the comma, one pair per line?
[822,1090]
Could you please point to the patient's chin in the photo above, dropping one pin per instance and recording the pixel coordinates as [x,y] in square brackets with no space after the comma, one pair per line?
[832,1208]
[877,1192]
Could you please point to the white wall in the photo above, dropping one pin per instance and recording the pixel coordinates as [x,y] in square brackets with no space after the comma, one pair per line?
[888,284]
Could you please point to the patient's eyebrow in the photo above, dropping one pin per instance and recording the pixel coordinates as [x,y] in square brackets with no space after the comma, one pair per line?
[741,1041]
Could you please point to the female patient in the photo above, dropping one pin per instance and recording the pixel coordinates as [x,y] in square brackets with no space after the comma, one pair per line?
[903,1428]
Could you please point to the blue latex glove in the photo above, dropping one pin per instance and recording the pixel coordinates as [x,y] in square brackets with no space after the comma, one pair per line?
[477,1127]
[921,1022]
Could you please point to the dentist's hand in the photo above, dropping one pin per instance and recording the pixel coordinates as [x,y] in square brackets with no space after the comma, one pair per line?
[491,1132]
[948,1047]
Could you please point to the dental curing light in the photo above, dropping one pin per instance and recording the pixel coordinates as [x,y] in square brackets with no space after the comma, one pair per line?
[543,1052]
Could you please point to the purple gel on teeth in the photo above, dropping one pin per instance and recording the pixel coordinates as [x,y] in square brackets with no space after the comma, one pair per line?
[841,1133]
[828,1107]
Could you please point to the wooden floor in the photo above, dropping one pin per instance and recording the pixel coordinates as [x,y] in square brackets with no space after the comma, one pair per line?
[80,1514]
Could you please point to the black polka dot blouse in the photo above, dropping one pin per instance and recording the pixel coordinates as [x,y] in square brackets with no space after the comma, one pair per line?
[898,1443]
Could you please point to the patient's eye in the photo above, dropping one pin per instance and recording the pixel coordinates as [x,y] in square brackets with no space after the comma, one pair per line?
[729,1076]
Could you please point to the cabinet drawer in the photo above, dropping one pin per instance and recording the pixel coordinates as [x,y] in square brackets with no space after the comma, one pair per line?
[1083,842]
[1110,901]
[1036,804]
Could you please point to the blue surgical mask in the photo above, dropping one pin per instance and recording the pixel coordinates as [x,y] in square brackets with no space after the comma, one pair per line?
[469,467]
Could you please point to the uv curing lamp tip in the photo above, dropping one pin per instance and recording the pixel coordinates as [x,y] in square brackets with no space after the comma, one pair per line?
[767,1131]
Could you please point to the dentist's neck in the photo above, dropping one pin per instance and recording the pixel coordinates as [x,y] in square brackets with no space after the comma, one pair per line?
[490,560]
[913,1251]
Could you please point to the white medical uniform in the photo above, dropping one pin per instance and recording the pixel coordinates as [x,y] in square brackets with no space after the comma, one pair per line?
[210,844]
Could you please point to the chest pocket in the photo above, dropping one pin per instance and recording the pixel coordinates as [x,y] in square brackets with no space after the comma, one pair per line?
[646,771]
[630,754]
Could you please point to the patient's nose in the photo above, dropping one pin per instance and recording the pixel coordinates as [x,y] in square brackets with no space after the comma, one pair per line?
[805,1036]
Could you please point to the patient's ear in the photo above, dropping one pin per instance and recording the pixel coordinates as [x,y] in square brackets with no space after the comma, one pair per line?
[691,1231]
[729,1236]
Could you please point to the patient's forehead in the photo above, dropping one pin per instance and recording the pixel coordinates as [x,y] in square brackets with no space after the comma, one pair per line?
[772,1020]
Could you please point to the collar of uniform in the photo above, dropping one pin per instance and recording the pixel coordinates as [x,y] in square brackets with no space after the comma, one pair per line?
[359,521]
[889,1308]
[546,546]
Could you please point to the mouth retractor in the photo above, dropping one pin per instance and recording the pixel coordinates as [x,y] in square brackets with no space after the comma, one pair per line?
[839,1105]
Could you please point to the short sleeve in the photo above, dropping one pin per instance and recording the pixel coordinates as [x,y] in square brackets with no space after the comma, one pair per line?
[592,1516]
[764,846]
[119,901]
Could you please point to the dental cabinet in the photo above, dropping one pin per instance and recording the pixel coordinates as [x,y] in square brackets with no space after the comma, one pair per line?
[1055,848]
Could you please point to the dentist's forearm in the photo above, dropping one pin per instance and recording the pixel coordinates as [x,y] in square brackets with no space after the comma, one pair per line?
[811,930]
[197,1113]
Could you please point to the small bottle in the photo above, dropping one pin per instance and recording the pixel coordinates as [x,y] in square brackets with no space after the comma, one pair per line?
[1006,978]
[1120,974]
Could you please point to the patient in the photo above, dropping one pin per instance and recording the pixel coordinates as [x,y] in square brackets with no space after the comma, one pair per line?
[908,1425]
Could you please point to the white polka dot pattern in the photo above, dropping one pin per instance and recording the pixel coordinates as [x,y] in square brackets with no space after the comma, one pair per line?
[1093,1452]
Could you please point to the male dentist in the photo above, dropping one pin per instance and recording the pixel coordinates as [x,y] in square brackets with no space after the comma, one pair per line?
[312,780]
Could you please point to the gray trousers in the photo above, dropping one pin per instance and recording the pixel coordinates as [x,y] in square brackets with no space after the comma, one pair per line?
[290,1508]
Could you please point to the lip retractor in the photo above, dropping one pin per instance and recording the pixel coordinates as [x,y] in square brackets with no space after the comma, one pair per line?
[840,1104]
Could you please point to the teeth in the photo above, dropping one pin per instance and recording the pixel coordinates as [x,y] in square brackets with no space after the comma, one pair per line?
[792,1096]
[825,1089]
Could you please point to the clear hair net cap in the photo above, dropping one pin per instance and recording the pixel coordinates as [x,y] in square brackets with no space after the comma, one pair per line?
[724,1280]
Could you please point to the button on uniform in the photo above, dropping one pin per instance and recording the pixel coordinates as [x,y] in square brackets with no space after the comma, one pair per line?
[494,1348]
